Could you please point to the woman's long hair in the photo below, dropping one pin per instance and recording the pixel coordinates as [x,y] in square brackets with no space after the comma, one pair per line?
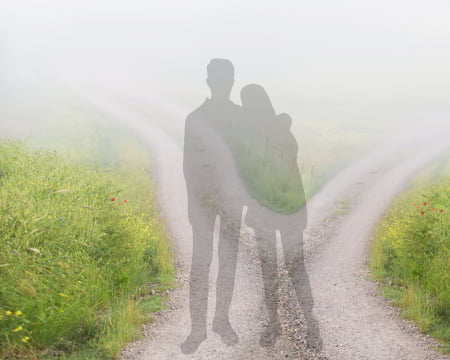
[255,99]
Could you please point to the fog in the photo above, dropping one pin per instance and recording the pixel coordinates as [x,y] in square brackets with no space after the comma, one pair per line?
[361,102]
[318,60]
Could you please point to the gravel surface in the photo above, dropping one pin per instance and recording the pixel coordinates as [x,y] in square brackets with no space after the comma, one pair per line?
[355,322]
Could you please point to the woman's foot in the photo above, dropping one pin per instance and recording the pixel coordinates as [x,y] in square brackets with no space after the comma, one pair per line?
[225,330]
[270,335]
[313,340]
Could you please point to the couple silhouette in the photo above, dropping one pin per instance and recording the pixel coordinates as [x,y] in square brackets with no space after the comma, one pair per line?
[236,156]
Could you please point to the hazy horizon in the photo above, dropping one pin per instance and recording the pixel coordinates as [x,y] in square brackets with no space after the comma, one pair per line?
[321,59]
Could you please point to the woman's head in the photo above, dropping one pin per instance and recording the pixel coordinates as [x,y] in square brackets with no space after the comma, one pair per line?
[254,98]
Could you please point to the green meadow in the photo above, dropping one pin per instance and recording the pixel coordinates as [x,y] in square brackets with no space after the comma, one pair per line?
[85,256]
[411,252]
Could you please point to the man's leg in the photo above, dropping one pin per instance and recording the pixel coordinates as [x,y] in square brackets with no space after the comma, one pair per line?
[227,253]
[202,233]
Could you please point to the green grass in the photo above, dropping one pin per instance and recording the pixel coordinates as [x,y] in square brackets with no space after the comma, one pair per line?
[327,146]
[84,291]
[276,184]
[411,252]
[275,188]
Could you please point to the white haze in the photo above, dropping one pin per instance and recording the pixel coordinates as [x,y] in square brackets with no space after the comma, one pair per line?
[322,59]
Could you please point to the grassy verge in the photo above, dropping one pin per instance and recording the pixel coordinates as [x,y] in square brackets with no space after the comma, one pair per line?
[84,253]
[411,252]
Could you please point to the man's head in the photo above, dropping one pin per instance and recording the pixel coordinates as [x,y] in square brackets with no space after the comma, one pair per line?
[220,78]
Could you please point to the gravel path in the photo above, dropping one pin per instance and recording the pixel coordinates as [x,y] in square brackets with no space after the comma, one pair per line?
[355,322]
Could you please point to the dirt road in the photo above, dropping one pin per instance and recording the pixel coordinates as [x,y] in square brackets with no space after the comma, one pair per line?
[355,323]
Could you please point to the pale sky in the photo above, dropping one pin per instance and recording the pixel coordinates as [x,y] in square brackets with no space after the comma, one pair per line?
[313,57]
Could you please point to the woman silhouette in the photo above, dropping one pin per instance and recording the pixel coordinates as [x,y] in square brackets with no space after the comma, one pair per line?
[274,180]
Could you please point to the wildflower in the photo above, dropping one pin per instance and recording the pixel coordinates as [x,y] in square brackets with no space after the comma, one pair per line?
[17,329]
[7,312]
[113,199]
[425,203]
[442,210]
[63,295]
[25,339]
[125,201]
[18,313]
[61,310]
[421,213]
[417,207]
[433,209]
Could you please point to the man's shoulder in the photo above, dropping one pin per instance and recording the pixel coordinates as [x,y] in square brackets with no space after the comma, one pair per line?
[199,113]
[208,109]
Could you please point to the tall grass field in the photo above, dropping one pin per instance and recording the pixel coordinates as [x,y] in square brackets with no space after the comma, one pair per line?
[411,252]
[84,255]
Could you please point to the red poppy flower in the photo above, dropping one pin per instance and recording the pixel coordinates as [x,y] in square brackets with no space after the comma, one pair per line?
[421,213]
[418,207]
[425,203]
[442,210]
[113,199]
[125,201]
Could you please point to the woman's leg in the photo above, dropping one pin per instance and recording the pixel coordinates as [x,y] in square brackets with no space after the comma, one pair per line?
[292,240]
[267,251]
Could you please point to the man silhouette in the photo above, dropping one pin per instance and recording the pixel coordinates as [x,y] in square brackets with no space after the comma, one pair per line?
[205,164]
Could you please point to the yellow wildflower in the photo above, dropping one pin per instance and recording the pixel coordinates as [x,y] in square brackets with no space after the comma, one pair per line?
[18,313]
[25,339]
[61,310]
[17,329]
[63,295]
[8,312]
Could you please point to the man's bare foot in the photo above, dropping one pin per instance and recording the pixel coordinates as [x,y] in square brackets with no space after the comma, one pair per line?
[192,342]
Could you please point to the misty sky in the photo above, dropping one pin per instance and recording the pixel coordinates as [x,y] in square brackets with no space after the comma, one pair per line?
[322,56]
